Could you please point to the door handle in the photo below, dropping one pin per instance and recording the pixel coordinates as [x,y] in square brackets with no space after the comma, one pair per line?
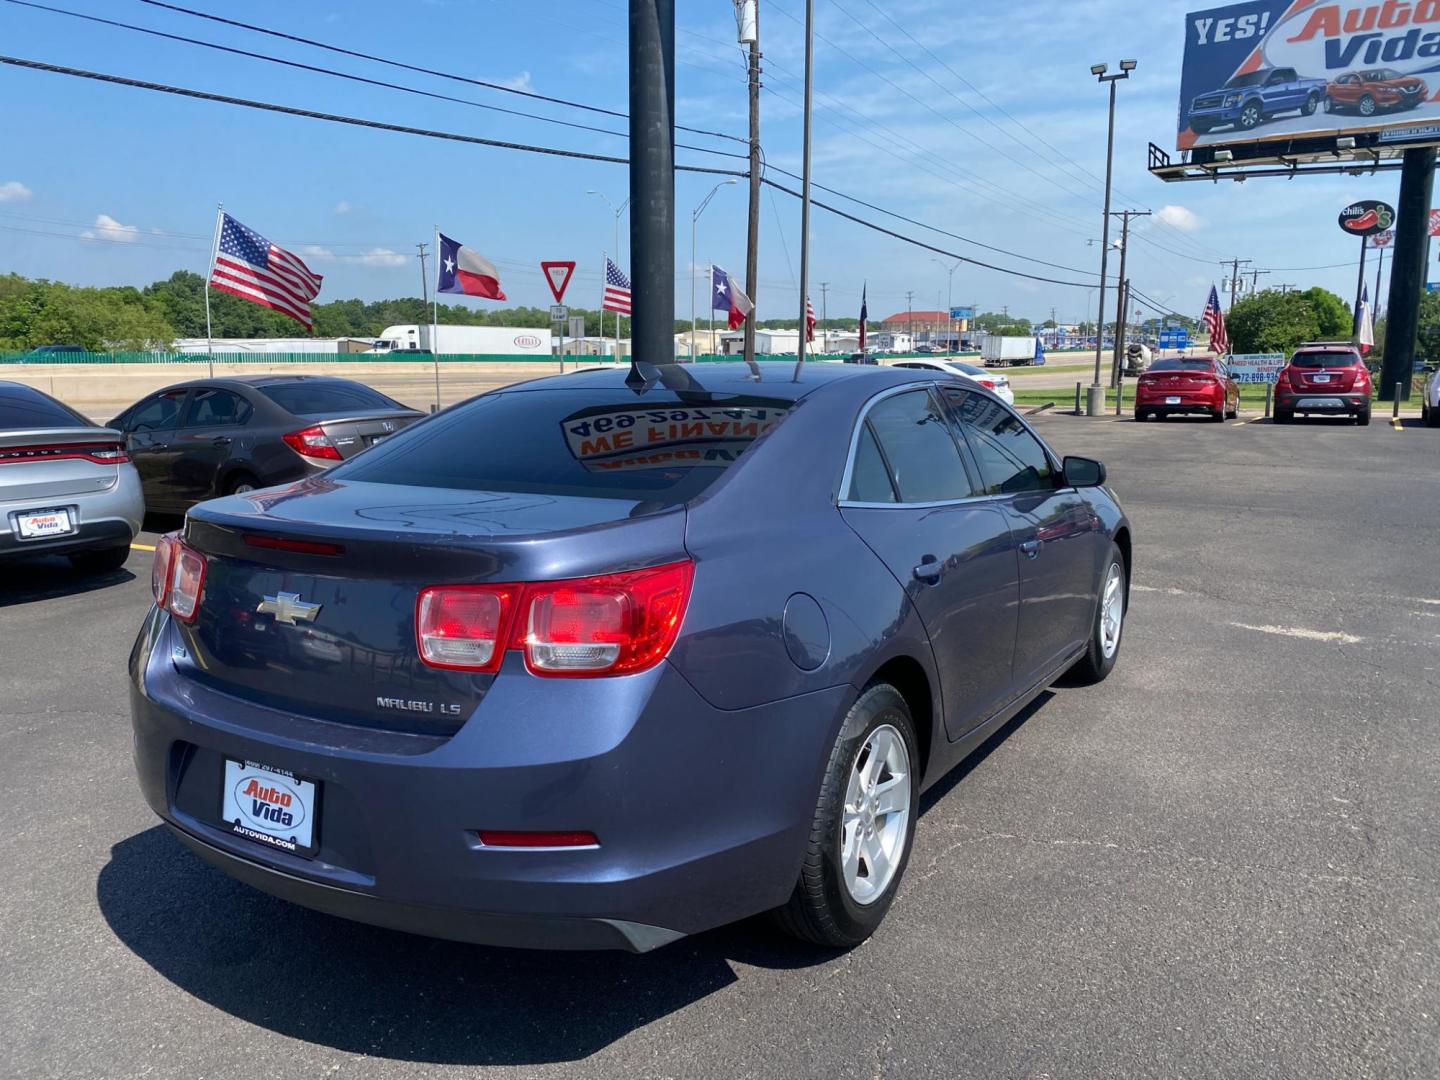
[223,440]
[157,446]
[929,570]
[1031,548]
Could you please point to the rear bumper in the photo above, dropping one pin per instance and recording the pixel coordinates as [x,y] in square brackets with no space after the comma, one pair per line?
[702,815]
[1159,401]
[104,519]
[1318,401]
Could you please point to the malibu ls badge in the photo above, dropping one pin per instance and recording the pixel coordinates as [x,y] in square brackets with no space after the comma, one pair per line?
[288,608]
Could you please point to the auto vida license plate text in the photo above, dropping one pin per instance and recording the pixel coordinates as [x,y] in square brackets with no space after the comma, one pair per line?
[270,806]
[38,524]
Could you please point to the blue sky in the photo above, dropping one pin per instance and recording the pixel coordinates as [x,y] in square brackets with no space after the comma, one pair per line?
[993,130]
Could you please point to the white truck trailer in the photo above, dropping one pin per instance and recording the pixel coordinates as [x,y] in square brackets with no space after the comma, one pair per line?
[468,340]
[999,351]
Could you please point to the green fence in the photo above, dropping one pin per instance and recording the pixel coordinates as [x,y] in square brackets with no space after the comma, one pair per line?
[406,357]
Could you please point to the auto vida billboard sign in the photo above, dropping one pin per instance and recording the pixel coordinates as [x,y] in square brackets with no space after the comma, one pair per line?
[1281,69]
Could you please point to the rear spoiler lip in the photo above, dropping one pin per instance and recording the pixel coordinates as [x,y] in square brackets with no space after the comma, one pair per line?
[357,418]
[72,435]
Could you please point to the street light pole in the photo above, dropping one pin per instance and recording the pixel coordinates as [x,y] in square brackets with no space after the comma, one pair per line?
[1095,397]
[805,187]
[949,302]
[694,220]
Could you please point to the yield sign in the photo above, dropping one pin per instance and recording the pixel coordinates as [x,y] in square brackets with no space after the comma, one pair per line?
[558,275]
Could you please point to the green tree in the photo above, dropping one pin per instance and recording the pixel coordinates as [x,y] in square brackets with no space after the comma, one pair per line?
[1272,321]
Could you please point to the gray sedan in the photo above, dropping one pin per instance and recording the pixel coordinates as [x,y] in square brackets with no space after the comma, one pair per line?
[67,486]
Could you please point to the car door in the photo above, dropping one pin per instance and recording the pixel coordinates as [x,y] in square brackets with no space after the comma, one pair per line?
[204,441]
[911,498]
[150,429]
[1057,533]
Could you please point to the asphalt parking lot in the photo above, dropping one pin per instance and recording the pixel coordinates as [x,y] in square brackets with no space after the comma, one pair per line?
[1222,862]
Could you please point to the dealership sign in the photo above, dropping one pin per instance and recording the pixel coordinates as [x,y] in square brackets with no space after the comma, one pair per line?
[1278,69]
[1256,367]
[1367,218]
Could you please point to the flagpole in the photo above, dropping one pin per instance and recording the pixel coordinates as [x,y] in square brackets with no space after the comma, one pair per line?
[435,321]
[209,271]
[604,279]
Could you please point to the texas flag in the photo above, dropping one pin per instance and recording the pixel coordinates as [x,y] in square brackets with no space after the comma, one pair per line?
[726,296]
[464,270]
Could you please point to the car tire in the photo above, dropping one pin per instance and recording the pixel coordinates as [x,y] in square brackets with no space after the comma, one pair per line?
[1284,416]
[1141,415]
[239,483]
[104,561]
[1106,634]
[1367,106]
[832,904]
[1250,116]
[1311,104]
[1218,415]
[1363,418]
[1432,418]
[1330,105]
[1233,414]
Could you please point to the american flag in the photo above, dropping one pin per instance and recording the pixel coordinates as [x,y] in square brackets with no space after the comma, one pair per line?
[809,320]
[1214,320]
[617,289]
[864,312]
[252,268]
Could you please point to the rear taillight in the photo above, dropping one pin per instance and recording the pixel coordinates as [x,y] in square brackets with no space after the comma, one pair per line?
[187,581]
[464,627]
[312,442]
[615,624]
[165,549]
[988,384]
[97,453]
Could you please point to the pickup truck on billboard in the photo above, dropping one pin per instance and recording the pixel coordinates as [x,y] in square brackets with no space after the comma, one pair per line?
[1281,69]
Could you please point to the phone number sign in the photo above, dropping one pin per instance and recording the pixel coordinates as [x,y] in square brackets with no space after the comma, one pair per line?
[1256,367]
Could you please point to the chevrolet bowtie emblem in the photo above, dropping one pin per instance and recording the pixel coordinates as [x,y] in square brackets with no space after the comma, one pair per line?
[288,608]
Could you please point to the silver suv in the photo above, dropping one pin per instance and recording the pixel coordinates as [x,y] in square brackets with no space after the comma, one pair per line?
[67,486]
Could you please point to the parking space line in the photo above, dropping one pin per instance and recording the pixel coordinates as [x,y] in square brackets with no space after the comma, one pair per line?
[1240,423]
[141,547]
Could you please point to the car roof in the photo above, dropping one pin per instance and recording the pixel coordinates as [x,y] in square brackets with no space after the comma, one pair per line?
[19,389]
[734,377]
[257,381]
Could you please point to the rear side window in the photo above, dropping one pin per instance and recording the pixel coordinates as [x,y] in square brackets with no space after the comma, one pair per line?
[924,461]
[870,478]
[335,398]
[1181,364]
[217,408]
[661,449]
[1011,459]
[21,407]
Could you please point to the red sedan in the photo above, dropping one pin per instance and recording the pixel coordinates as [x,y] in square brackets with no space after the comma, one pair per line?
[1367,92]
[1187,384]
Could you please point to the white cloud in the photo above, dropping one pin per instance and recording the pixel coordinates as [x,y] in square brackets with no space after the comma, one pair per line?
[107,228]
[519,82]
[14,191]
[315,251]
[343,207]
[382,256]
[1180,218]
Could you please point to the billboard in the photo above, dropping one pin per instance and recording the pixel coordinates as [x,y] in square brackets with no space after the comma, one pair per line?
[1283,69]
[1256,367]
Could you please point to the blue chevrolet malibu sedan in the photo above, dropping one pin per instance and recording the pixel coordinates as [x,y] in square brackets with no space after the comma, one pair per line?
[591,662]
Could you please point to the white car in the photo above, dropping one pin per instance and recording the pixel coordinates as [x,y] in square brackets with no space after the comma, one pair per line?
[997,384]
[1430,402]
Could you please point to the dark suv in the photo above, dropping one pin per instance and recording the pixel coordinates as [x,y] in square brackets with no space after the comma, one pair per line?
[1324,379]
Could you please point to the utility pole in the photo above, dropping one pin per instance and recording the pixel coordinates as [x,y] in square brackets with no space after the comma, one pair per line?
[747,18]
[652,181]
[425,278]
[1124,291]
[1255,279]
[1235,265]
[910,315]
[800,341]
[1285,290]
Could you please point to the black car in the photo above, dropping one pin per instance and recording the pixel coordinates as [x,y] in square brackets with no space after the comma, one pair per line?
[213,437]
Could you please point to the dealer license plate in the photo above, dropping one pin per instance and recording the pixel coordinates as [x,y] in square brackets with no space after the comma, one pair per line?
[270,806]
[1172,401]
[39,524]
[1320,403]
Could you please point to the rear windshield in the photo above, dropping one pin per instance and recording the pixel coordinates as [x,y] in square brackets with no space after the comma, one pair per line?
[664,448]
[21,407]
[332,398]
[1181,364]
[1333,358]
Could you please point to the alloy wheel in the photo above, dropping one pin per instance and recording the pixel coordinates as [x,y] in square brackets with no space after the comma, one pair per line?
[876,819]
[1112,611]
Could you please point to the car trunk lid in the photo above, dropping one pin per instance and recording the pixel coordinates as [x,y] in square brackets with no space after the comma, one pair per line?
[310,593]
[59,462]
[355,432]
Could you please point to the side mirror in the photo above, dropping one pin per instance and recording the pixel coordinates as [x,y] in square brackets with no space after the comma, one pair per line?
[1084,472]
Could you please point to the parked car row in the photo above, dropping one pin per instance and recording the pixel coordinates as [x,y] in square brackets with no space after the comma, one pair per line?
[69,486]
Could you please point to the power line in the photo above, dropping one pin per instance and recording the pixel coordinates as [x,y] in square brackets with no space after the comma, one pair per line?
[501,87]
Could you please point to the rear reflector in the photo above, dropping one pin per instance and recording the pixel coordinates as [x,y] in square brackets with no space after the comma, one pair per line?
[285,543]
[463,627]
[312,442]
[494,838]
